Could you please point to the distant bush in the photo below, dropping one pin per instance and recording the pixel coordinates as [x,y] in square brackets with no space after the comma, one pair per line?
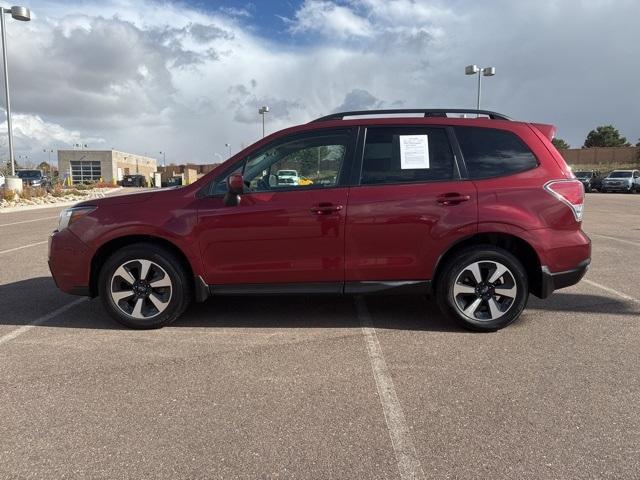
[32,192]
[103,184]
[59,191]
[7,194]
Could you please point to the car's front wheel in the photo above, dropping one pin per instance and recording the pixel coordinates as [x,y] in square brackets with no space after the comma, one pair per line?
[144,286]
[483,288]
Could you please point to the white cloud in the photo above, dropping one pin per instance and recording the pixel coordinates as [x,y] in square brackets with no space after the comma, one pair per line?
[147,77]
[330,19]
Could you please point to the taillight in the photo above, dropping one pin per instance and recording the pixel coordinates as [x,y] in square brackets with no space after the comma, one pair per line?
[569,192]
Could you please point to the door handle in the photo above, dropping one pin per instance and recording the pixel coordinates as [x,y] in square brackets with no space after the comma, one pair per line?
[325,208]
[452,198]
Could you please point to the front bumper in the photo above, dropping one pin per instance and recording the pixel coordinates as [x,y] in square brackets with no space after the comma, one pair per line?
[69,262]
[555,281]
[624,187]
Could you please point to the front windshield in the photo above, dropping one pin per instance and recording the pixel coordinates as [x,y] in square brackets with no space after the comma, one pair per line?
[620,175]
[29,173]
[583,174]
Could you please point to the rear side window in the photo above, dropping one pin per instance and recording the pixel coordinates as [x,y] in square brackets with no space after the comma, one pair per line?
[406,155]
[493,153]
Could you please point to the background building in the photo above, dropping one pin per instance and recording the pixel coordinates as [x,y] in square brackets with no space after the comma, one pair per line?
[108,165]
[189,172]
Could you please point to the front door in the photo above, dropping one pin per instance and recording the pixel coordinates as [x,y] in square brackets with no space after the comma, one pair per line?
[410,206]
[289,224]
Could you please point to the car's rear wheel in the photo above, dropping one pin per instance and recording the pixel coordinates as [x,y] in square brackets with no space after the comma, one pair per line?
[144,286]
[483,288]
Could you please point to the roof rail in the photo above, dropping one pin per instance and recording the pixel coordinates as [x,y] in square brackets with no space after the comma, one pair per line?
[428,112]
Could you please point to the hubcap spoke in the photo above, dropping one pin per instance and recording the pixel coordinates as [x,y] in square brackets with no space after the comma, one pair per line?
[117,296]
[506,292]
[163,282]
[474,268]
[494,308]
[145,265]
[159,304]
[137,309]
[500,271]
[125,275]
[462,288]
[471,309]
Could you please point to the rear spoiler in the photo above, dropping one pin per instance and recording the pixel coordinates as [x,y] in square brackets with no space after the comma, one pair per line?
[548,131]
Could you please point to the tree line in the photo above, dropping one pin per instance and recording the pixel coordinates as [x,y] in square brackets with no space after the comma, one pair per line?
[603,136]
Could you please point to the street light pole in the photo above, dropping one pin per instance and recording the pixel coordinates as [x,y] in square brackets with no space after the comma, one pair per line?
[23,14]
[228,145]
[49,151]
[480,71]
[164,158]
[262,110]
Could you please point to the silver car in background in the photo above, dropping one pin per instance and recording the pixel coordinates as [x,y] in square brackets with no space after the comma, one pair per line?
[622,181]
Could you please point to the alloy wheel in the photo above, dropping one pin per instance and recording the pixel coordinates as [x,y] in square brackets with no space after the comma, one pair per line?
[141,289]
[484,290]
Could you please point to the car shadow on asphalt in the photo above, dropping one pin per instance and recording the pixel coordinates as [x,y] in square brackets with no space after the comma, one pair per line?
[27,300]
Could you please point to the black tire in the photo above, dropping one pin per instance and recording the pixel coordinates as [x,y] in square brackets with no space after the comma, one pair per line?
[456,269]
[587,189]
[164,264]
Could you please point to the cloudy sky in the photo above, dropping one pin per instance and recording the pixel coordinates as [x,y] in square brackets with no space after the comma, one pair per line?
[187,77]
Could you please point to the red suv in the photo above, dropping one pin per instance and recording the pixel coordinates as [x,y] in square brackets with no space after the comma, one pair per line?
[479,212]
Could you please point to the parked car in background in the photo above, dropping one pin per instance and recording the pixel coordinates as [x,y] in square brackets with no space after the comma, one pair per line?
[591,179]
[627,181]
[32,177]
[288,177]
[134,181]
[477,212]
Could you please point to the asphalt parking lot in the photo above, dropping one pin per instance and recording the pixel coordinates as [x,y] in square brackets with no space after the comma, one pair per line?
[318,388]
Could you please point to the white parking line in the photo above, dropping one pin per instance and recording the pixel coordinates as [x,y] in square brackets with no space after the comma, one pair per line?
[23,246]
[611,290]
[39,321]
[408,463]
[629,242]
[28,221]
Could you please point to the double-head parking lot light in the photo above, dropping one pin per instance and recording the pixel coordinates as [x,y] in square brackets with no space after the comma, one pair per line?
[262,111]
[480,71]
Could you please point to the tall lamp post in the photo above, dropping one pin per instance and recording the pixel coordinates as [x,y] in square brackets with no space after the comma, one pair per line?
[262,111]
[49,151]
[228,145]
[22,14]
[480,71]
[164,158]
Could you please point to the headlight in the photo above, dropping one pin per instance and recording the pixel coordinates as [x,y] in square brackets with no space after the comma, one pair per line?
[70,215]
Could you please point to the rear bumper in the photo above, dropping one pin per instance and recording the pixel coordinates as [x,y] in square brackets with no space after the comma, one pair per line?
[69,262]
[555,281]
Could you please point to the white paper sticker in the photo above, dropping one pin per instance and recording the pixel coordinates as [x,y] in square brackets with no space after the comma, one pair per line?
[414,151]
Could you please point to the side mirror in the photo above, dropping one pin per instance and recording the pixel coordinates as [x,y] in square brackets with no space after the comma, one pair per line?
[235,187]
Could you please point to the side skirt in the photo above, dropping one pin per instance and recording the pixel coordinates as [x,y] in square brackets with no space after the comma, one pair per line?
[407,287]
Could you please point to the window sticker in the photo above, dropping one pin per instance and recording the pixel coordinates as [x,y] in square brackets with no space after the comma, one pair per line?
[414,152]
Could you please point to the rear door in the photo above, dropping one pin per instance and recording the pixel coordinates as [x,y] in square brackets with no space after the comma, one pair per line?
[409,206]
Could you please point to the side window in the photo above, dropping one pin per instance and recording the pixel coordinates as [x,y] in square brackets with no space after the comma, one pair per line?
[307,161]
[493,153]
[406,155]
